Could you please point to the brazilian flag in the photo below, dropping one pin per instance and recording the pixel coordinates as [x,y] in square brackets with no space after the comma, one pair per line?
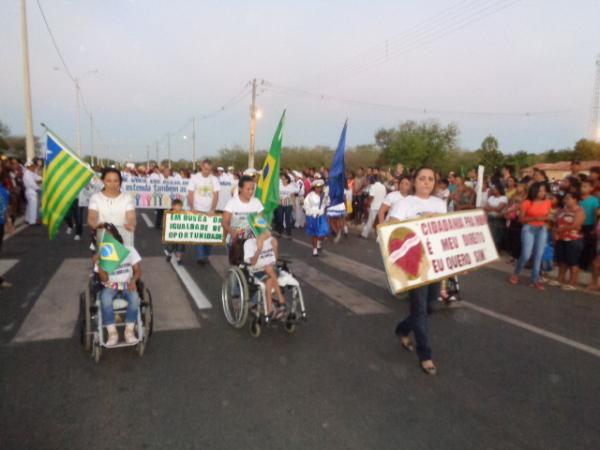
[258,224]
[112,253]
[267,189]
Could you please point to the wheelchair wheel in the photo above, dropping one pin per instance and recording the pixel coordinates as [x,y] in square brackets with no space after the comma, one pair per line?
[141,347]
[298,309]
[96,351]
[86,328]
[289,325]
[147,313]
[255,328]
[235,297]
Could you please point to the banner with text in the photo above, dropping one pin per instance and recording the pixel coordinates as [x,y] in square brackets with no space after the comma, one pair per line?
[190,228]
[155,194]
[423,251]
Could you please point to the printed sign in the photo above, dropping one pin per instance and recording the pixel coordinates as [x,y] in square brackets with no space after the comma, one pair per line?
[191,228]
[155,194]
[423,251]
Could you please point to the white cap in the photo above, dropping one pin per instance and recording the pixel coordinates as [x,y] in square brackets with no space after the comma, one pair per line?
[220,168]
[296,174]
[250,171]
[230,168]
[318,182]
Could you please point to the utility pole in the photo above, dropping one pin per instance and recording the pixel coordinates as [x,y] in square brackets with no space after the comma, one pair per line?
[26,85]
[169,149]
[157,163]
[594,132]
[92,138]
[78,118]
[193,145]
[252,126]
[147,157]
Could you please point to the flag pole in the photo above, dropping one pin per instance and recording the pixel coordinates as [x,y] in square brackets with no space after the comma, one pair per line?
[26,86]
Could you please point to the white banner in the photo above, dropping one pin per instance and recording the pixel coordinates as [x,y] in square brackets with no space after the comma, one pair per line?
[155,194]
[423,251]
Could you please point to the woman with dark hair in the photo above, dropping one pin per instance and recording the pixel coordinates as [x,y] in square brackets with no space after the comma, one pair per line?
[283,213]
[422,203]
[535,212]
[113,206]
[569,240]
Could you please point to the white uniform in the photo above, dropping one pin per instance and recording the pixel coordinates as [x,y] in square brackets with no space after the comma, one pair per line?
[30,180]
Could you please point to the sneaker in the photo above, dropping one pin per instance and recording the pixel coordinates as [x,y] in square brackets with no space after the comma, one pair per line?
[315,252]
[130,337]
[318,245]
[77,238]
[69,230]
[338,236]
[113,336]
[553,283]
[514,279]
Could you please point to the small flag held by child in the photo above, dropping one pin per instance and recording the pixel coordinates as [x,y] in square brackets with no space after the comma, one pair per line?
[112,253]
[258,224]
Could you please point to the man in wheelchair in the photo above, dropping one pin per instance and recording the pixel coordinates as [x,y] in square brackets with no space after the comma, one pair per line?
[123,279]
[261,254]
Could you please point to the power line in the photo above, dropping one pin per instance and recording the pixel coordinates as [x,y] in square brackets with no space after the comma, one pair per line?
[285,90]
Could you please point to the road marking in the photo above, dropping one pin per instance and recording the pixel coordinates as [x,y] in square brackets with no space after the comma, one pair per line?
[355,301]
[358,269]
[195,292]
[350,298]
[7,264]
[18,229]
[149,223]
[55,313]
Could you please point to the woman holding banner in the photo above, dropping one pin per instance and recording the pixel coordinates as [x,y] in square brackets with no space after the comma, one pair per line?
[423,203]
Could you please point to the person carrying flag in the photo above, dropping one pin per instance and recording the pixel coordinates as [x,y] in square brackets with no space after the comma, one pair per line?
[119,270]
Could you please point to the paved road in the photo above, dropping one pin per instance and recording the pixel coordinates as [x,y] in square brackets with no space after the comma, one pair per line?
[518,369]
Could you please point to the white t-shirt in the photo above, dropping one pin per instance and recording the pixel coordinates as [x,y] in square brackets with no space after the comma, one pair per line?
[114,210]
[240,210]
[124,272]
[203,188]
[378,191]
[225,190]
[494,202]
[266,257]
[412,207]
[286,193]
[30,180]
[392,198]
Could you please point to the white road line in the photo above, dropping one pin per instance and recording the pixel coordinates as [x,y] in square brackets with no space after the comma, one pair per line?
[6,265]
[149,223]
[361,269]
[18,229]
[199,298]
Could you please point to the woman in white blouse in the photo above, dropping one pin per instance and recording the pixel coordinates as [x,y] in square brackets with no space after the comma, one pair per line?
[113,206]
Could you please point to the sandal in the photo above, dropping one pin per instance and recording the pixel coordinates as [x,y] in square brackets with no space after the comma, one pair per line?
[407,344]
[429,370]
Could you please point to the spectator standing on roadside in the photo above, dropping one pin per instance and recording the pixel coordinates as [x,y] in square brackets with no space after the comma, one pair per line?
[5,222]
[32,182]
[377,194]
[590,205]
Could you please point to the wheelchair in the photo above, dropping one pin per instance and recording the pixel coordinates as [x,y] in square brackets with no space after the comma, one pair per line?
[92,334]
[243,295]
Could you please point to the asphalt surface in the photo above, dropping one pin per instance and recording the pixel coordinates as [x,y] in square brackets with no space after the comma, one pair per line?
[340,381]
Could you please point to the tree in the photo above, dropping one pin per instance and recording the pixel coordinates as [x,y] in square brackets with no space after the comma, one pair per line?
[587,150]
[490,155]
[414,144]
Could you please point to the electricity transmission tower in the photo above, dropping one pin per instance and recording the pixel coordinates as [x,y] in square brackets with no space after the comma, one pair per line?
[594,131]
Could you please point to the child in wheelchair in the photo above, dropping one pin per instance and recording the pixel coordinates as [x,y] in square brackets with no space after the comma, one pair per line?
[123,279]
[261,253]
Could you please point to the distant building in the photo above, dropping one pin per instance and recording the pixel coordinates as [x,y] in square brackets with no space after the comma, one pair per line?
[559,170]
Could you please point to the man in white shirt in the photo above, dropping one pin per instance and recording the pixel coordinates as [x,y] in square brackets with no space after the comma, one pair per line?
[31,181]
[203,196]
[377,192]
[226,188]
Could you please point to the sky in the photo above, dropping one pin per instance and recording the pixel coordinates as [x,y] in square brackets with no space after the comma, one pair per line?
[482,64]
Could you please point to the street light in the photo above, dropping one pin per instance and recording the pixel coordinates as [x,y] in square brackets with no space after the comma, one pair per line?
[76,81]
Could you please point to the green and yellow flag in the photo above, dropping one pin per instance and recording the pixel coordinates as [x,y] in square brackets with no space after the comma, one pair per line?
[112,253]
[267,190]
[65,175]
[258,224]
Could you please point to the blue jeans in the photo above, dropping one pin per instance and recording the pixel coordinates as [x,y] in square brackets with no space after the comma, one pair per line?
[417,318]
[203,252]
[533,242]
[106,299]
